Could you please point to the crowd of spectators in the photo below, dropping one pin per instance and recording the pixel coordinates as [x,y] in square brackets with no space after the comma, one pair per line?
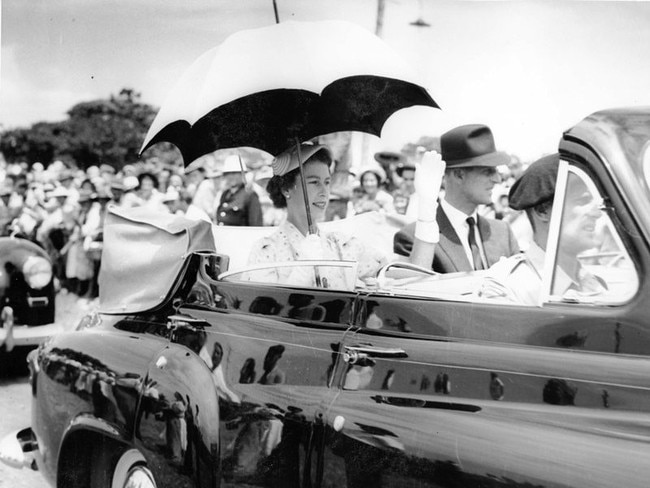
[62,208]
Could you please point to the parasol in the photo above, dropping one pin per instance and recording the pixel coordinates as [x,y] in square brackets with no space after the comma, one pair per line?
[266,88]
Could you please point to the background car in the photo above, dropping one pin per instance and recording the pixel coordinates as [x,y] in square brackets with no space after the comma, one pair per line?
[193,376]
[27,299]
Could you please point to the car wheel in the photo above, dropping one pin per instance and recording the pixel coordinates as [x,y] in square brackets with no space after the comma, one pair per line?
[129,471]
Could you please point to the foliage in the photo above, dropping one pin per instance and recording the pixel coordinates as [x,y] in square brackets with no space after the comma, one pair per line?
[107,131]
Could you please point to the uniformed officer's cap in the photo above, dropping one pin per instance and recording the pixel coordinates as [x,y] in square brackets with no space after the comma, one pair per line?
[288,160]
[536,185]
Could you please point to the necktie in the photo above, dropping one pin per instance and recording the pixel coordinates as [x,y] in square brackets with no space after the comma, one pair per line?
[473,245]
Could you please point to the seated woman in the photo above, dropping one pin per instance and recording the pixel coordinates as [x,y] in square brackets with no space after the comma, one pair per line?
[292,240]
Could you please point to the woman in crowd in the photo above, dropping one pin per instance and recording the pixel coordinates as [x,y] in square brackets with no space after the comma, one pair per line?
[293,241]
[374,198]
[149,195]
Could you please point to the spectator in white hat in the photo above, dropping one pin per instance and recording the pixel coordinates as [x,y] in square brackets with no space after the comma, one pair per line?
[238,204]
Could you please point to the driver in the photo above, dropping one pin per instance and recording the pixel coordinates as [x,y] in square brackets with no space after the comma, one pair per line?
[292,240]
[519,278]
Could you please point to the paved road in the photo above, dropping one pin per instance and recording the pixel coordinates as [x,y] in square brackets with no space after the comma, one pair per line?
[15,398]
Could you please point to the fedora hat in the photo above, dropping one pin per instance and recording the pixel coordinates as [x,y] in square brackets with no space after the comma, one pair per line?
[471,145]
[387,158]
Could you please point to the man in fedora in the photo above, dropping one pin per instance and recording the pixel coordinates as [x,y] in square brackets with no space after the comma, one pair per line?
[458,237]
[239,204]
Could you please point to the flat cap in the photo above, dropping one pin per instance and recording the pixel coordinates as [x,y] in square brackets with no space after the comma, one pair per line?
[536,185]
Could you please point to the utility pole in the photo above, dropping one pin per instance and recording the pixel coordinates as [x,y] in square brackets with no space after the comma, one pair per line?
[379,27]
[275,10]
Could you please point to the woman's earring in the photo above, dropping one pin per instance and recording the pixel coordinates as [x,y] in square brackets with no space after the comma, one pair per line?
[287,196]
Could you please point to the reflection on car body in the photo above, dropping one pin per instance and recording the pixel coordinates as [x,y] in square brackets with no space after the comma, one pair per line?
[413,380]
[27,299]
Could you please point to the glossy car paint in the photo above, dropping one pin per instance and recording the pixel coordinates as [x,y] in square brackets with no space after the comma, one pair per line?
[326,388]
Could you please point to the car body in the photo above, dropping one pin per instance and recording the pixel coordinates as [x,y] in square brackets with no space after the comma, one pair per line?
[27,294]
[193,376]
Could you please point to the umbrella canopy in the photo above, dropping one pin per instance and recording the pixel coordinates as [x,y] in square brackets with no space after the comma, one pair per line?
[265,87]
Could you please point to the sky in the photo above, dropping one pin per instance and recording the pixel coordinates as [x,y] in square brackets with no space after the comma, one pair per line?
[527,69]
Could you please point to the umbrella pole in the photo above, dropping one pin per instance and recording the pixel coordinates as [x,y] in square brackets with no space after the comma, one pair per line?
[310,224]
[243,171]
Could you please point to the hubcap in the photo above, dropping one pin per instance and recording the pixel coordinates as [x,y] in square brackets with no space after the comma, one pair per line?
[139,477]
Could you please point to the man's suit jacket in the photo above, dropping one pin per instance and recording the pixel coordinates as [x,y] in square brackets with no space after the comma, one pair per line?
[496,235]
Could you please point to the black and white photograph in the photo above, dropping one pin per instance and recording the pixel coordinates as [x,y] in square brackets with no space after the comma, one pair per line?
[324,243]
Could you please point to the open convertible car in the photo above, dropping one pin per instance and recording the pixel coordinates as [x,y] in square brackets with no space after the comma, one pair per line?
[194,375]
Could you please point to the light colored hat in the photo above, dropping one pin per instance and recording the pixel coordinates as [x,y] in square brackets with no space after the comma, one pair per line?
[171,195]
[373,168]
[59,191]
[106,168]
[288,160]
[66,174]
[130,182]
[264,173]
[194,166]
[233,164]
[85,196]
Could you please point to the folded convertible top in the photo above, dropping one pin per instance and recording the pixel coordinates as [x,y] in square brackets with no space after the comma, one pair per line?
[143,254]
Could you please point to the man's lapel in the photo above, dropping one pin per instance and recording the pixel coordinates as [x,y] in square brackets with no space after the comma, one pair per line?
[493,249]
[450,244]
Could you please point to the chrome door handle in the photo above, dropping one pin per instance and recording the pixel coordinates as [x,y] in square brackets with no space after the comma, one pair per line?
[353,353]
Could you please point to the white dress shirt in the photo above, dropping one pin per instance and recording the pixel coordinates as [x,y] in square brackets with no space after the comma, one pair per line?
[458,221]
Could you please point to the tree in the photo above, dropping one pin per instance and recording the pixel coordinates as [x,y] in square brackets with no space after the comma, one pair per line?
[41,142]
[108,131]
[101,131]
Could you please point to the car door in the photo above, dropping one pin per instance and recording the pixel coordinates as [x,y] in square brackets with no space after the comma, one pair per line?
[439,387]
[271,351]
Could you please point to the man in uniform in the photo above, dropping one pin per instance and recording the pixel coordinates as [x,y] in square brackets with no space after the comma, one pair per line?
[402,195]
[519,278]
[460,239]
[239,204]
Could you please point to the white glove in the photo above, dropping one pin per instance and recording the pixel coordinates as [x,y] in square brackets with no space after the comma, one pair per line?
[311,248]
[428,180]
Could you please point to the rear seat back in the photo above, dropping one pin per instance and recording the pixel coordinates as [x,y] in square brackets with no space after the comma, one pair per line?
[372,228]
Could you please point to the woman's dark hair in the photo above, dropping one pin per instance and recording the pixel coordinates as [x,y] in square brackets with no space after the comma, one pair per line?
[88,181]
[151,176]
[277,185]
